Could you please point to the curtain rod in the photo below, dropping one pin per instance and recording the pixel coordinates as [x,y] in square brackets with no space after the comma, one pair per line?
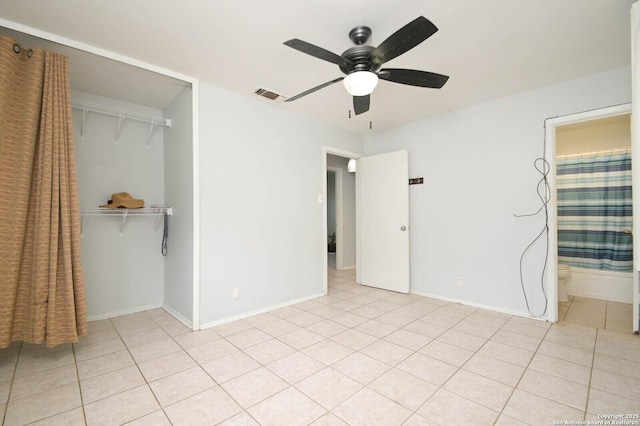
[117,112]
[622,149]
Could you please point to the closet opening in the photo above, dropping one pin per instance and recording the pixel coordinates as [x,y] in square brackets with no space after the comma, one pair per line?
[135,132]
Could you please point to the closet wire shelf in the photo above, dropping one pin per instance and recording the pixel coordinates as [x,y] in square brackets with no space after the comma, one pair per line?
[121,114]
[157,211]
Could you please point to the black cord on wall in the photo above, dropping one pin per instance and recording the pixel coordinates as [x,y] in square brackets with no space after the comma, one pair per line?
[544,193]
[165,235]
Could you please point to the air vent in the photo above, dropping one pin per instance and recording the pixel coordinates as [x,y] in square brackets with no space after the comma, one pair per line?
[267,94]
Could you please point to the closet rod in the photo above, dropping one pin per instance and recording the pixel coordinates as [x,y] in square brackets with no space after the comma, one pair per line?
[116,112]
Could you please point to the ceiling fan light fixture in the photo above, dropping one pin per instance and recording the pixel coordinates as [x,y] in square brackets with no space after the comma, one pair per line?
[360,83]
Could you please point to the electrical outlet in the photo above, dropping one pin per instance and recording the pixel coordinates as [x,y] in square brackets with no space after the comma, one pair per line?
[236,293]
[460,281]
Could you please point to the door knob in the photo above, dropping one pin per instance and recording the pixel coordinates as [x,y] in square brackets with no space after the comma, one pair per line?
[403,228]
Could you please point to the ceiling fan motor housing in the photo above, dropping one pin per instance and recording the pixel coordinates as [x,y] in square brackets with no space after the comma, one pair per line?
[359,56]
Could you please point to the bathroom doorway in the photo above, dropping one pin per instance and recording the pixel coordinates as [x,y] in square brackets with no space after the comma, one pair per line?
[600,291]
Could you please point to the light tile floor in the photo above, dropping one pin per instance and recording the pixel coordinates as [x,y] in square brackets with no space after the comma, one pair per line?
[596,313]
[359,356]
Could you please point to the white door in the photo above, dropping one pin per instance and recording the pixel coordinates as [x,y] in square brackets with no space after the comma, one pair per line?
[382,225]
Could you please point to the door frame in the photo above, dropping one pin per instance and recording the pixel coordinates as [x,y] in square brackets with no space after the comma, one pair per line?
[551,277]
[326,150]
[338,213]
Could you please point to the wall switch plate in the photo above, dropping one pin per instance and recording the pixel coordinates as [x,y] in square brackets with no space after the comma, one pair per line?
[460,281]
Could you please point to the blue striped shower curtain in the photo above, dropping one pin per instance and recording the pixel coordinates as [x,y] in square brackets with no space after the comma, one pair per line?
[594,211]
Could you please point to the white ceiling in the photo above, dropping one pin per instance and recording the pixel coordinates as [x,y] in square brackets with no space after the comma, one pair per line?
[489,48]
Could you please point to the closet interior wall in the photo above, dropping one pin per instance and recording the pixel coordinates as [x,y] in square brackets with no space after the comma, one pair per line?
[178,186]
[124,272]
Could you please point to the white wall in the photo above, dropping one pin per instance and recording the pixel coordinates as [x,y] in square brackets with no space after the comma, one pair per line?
[261,224]
[348,202]
[178,182]
[478,168]
[123,273]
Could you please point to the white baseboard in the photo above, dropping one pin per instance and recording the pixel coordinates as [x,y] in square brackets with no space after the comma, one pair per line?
[258,311]
[129,311]
[479,305]
[347,268]
[135,310]
[177,315]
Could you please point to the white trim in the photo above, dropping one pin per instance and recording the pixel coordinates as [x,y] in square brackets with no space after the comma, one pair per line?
[177,315]
[259,311]
[93,49]
[195,166]
[195,99]
[326,150]
[477,305]
[551,276]
[128,311]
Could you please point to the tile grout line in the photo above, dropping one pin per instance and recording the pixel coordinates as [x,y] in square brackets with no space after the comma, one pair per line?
[415,412]
[209,375]
[477,352]
[137,367]
[515,387]
[13,376]
[391,367]
[593,360]
[142,374]
[135,363]
[37,393]
[75,362]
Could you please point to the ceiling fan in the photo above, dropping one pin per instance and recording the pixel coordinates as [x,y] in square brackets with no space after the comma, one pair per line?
[362,63]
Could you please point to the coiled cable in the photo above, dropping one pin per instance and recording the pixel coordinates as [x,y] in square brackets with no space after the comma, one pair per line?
[544,193]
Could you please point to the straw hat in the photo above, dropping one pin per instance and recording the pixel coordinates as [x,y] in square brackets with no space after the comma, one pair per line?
[123,200]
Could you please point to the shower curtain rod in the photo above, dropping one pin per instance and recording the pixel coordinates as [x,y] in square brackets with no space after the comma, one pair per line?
[602,151]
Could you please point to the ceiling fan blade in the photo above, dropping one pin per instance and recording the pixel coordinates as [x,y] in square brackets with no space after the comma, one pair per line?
[413,77]
[318,52]
[361,104]
[406,38]
[322,86]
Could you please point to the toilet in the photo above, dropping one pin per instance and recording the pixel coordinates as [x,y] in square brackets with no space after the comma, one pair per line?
[564,275]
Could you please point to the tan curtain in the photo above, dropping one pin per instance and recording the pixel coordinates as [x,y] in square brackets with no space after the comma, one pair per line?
[41,284]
